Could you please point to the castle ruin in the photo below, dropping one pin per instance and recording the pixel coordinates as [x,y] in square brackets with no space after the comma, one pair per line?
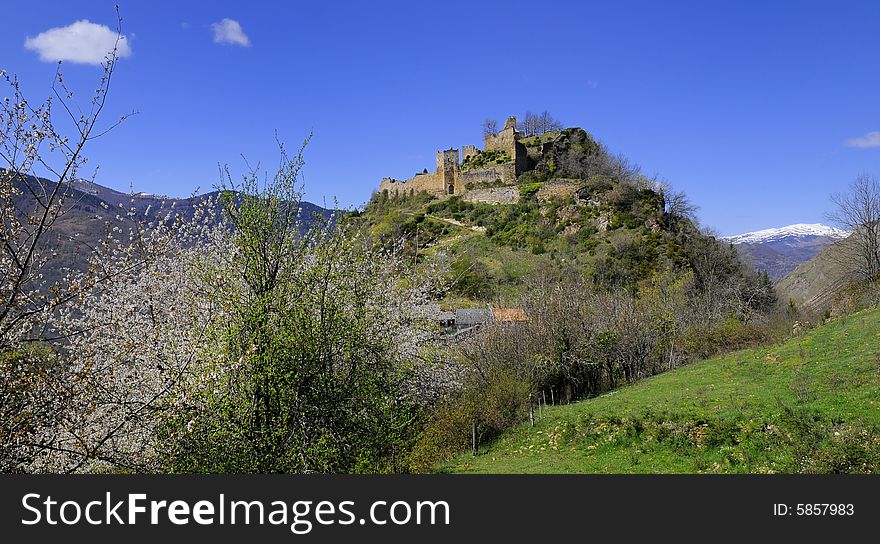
[454,174]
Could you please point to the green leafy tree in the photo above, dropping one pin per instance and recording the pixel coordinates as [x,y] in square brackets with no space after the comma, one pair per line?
[313,369]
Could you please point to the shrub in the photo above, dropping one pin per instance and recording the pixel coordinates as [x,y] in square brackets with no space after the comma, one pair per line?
[470,277]
[528,190]
[820,446]
[308,370]
[485,158]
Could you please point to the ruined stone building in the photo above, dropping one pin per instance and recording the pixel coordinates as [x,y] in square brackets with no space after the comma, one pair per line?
[502,158]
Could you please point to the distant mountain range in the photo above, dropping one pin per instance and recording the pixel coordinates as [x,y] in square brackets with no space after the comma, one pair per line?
[91,208]
[183,206]
[779,251]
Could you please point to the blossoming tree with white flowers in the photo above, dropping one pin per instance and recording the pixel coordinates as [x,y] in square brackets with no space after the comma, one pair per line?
[39,163]
[243,338]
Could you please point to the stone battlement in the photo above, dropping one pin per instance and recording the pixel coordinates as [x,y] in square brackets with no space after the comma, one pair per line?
[448,178]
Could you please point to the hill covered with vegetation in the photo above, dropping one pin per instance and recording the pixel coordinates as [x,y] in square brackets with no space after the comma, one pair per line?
[579,211]
[616,277]
[238,333]
[809,404]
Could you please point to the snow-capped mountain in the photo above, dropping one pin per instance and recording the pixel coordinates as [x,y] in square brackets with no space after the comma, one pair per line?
[798,231]
[780,250]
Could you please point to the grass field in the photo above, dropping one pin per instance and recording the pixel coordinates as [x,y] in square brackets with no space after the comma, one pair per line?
[810,404]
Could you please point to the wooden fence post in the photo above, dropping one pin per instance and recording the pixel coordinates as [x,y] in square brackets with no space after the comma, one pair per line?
[474,435]
[531,411]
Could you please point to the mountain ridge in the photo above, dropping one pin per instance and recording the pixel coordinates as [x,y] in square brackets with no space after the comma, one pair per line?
[778,233]
[91,208]
[778,251]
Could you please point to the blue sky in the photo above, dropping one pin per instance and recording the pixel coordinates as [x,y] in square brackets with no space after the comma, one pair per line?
[752,108]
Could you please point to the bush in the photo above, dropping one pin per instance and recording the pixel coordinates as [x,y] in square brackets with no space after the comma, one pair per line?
[470,277]
[309,369]
[704,339]
[528,190]
[626,265]
[820,446]
[485,158]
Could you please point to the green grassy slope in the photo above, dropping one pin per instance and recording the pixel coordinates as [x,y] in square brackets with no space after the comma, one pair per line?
[811,404]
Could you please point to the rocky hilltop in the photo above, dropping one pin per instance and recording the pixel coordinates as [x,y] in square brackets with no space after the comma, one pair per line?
[551,204]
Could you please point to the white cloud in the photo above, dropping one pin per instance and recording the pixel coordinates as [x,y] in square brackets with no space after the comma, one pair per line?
[229,31]
[83,42]
[871,139]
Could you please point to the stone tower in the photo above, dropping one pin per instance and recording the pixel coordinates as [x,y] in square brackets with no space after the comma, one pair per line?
[504,140]
[508,141]
[447,170]
[468,151]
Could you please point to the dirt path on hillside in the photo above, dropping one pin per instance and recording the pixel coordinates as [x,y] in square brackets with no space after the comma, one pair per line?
[458,223]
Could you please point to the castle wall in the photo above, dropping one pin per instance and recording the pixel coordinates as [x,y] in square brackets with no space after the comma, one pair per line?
[468,151]
[505,172]
[520,158]
[448,159]
[503,141]
[497,195]
[432,183]
[508,140]
[449,175]
[557,189]
[394,186]
[391,185]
